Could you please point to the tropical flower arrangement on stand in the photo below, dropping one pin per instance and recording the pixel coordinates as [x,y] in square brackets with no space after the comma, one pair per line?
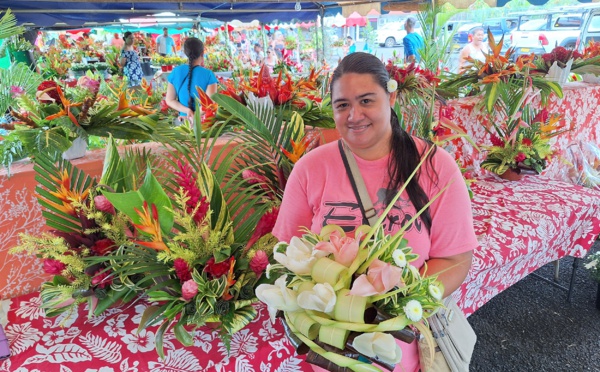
[588,63]
[345,297]
[520,133]
[557,64]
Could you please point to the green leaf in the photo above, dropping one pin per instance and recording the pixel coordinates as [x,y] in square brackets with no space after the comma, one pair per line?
[241,318]
[126,202]
[182,334]
[110,299]
[153,193]
[160,333]
[150,316]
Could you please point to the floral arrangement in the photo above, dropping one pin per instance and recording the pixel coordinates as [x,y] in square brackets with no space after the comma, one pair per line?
[520,134]
[559,56]
[55,63]
[218,62]
[344,297]
[484,77]
[588,62]
[290,42]
[168,61]
[98,66]
[593,265]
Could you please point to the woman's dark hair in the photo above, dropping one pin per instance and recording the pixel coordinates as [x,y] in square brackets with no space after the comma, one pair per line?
[404,156]
[193,49]
[126,35]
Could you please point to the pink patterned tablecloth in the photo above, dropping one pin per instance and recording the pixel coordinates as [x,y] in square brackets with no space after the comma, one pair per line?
[521,226]
[579,105]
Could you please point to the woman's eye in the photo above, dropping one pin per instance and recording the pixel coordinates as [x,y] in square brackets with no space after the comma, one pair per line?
[366,100]
[341,106]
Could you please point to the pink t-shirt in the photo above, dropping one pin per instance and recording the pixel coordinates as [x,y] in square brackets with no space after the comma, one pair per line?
[319,192]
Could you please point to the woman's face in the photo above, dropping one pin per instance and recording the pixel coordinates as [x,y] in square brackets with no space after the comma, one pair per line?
[362,113]
[478,36]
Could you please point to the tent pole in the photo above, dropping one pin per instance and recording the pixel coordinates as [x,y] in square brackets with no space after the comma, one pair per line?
[317,37]
[322,12]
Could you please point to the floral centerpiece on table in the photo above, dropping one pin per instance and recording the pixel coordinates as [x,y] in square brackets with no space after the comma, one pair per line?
[557,64]
[344,297]
[520,133]
[498,68]
[587,63]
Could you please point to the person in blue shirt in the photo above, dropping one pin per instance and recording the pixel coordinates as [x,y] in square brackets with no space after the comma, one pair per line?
[184,79]
[130,61]
[413,42]
[351,45]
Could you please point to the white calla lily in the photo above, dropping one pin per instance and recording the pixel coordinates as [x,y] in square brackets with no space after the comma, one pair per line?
[299,257]
[277,297]
[320,298]
[378,345]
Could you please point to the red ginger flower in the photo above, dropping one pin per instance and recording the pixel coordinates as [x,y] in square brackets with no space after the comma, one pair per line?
[54,267]
[561,54]
[187,181]
[259,262]
[497,141]
[217,270]
[264,226]
[521,157]
[103,205]
[526,142]
[103,246]
[182,269]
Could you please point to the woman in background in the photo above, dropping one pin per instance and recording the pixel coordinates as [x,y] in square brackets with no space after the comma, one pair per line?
[184,79]
[271,60]
[130,62]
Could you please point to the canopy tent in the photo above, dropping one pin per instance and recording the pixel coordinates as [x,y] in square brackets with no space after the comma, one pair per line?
[414,5]
[356,19]
[47,13]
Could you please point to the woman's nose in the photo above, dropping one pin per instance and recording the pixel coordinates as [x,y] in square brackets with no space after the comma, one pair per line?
[355,113]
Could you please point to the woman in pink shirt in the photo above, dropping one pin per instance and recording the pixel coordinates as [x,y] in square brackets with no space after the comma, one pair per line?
[319,191]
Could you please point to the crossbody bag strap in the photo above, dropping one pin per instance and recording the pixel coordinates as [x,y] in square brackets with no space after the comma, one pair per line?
[358,185]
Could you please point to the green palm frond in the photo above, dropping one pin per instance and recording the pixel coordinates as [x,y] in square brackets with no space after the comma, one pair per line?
[18,75]
[8,25]
[49,175]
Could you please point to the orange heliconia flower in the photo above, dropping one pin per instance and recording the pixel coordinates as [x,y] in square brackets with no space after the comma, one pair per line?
[298,149]
[230,281]
[66,195]
[150,225]
[65,109]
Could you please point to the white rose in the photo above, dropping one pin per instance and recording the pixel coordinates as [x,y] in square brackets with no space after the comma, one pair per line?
[299,256]
[320,298]
[277,297]
[378,345]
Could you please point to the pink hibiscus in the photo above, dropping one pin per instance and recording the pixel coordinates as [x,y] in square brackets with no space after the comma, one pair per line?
[381,277]
[344,249]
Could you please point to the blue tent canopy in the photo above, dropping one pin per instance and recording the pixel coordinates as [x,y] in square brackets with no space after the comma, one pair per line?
[45,13]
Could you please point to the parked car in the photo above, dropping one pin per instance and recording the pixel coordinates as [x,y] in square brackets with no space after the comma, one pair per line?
[392,34]
[501,27]
[450,26]
[462,36]
[540,32]
[590,30]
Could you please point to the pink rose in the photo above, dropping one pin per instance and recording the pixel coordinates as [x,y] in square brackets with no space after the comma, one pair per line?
[381,277]
[259,262]
[53,266]
[344,249]
[189,289]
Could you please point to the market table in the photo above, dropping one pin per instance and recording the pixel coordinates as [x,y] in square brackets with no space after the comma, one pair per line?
[579,105]
[520,226]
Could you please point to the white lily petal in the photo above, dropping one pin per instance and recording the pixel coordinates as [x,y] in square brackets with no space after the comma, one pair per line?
[320,298]
[364,344]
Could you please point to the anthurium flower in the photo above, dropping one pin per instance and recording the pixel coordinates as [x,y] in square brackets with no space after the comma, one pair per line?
[378,345]
[278,297]
[320,298]
[344,249]
[299,256]
[380,278]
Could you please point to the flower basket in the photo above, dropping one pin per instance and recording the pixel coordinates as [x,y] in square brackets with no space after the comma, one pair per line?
[511,175]
[558,74]
[163,68]
[170,68]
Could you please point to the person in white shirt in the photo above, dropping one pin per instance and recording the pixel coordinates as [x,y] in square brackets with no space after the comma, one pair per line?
[476,49]
[165,44]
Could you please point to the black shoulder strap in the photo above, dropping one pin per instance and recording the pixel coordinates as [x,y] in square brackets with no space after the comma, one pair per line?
[365,221]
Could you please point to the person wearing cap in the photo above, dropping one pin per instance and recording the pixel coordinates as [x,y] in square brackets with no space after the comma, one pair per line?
[165,44]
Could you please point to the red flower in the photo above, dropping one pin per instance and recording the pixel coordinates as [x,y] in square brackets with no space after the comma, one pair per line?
[103,205]
[521,157]
[561,54]
[53,266]
[103,247]
[264,226]
[527,142]
[187,181]
[217,270]
[102,278]
[548,58]
[497,141]
[542,116]
[259,262]
[49,87]
[182,269]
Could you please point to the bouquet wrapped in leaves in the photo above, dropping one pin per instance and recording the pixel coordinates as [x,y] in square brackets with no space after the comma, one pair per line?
[345,297]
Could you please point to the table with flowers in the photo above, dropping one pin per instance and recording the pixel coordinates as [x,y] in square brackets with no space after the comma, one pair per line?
[521,226]
[579,106]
